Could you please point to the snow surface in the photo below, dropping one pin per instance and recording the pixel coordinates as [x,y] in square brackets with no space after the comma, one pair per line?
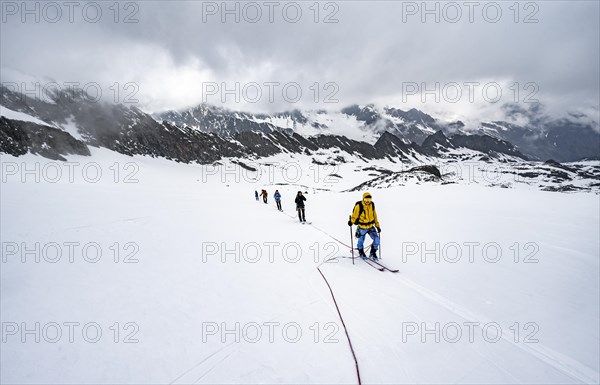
[174,216]
[71,128]
[15,115]
[334,122]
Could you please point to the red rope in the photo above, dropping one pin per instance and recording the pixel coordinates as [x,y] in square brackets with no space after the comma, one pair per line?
[344,325]
[335,302]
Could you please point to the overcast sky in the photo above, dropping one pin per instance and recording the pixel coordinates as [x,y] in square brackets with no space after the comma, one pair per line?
[179,54]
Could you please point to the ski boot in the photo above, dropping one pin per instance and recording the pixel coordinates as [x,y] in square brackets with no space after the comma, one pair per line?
[373,255]
[361,254]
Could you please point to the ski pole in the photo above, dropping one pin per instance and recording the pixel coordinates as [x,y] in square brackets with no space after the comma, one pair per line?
[351,240]
[379,235]
[379,246]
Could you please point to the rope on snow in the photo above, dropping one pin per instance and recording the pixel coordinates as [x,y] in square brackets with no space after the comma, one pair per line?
[344,325]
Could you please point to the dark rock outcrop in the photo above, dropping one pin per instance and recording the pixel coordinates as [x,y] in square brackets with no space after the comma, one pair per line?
[436,144]
[393,146]
[18,137]
[486,144]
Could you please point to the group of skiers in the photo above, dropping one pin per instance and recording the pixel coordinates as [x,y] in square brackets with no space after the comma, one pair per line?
[364,216]
[300,199]
[263,194]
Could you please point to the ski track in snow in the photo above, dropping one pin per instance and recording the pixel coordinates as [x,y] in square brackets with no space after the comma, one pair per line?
[212,367]
[198,366]
[565,364]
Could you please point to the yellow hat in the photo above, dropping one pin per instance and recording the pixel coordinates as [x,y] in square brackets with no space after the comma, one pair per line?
[367,195]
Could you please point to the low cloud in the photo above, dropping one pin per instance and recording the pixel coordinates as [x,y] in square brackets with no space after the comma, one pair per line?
[180,54]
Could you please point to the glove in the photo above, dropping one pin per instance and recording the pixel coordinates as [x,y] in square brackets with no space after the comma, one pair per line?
[378,229]
[350,223]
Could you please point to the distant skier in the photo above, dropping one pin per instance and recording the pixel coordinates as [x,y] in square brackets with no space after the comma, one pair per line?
[264,195]
[365,217]
[256,194]
[277,197]
[300,206]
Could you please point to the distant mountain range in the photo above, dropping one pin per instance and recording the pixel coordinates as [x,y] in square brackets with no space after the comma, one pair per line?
[67,123]
[567,139]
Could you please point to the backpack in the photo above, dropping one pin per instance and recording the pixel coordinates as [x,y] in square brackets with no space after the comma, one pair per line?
[361,210]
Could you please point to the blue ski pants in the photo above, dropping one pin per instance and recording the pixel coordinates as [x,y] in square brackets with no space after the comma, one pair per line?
[361,233]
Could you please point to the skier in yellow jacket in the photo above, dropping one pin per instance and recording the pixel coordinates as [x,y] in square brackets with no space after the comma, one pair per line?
[365,217]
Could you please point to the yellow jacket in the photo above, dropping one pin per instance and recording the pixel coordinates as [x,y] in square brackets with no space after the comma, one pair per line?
[368,217]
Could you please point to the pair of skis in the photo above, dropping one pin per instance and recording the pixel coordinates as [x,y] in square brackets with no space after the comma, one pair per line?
[377,265]
[374,264]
